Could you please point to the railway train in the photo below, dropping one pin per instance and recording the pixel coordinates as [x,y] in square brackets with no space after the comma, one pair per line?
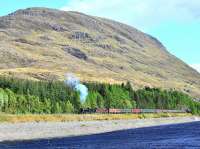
[134,111]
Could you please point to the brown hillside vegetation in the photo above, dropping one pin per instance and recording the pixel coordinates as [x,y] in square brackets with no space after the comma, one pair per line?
[41,43]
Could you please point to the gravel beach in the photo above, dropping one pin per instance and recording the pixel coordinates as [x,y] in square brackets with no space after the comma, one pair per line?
[38,130]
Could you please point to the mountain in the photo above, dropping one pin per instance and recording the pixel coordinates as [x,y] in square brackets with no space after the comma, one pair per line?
[42,43]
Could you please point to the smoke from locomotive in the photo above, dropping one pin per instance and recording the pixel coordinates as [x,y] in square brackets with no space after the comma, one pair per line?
[72,81]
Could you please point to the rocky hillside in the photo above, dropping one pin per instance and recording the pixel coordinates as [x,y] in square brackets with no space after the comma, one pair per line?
[41,43]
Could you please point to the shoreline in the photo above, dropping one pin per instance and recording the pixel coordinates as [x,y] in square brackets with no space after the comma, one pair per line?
[21,118]
[43,130]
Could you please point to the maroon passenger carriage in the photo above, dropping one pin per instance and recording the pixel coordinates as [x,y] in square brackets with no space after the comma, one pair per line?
[134,111]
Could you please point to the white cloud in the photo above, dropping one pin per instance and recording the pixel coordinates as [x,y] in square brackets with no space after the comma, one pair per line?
[196,66]
[139,13]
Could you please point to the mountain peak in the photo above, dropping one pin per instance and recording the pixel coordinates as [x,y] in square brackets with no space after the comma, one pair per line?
[41,43]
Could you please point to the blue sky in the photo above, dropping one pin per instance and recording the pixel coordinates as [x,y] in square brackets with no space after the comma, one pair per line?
[174,22]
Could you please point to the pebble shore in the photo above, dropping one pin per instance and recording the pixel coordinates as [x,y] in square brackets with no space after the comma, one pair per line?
[38,130]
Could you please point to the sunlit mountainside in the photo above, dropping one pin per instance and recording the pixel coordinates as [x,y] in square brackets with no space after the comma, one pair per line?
[41,43]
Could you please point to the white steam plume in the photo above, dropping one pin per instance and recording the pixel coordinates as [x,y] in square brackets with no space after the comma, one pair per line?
[73,82]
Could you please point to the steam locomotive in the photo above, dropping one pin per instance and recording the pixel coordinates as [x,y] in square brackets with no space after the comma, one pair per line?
[134,111]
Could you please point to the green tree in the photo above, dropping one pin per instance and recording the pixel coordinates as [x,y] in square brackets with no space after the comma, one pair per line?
[57,108]
[68,107]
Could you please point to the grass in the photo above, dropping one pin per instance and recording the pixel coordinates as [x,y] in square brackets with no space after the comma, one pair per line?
[81,117]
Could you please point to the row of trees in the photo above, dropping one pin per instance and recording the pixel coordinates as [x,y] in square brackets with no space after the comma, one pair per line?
[123,96]
[26,96]
[108,96]
[21,104]
[55,92]
[165,99]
